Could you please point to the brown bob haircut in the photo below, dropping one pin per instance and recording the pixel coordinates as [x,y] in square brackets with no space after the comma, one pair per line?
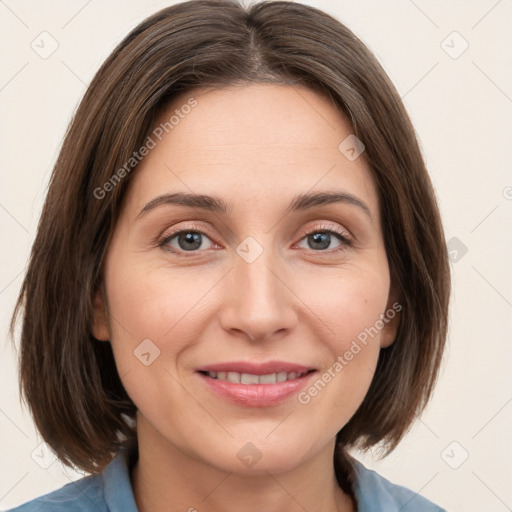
[67,377]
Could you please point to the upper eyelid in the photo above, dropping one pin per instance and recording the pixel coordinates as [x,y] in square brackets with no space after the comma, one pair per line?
[191,227]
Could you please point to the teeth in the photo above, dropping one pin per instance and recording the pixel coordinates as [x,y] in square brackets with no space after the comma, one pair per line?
[281,376]
[248,378]
[231,377]
[271,378]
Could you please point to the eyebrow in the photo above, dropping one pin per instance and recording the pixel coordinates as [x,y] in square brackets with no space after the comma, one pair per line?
[214,204]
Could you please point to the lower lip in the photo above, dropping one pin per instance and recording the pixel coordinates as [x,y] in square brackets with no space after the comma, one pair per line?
[256,395]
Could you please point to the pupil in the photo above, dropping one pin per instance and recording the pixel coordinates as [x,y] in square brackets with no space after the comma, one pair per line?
[322,238]
[190,238]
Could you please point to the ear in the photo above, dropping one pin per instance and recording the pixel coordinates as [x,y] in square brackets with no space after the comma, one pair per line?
[391,319]
[100,328]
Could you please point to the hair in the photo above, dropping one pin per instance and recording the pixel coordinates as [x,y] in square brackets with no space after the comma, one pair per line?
[67,377]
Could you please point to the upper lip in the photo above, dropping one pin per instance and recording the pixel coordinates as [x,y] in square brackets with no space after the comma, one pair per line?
[256,368]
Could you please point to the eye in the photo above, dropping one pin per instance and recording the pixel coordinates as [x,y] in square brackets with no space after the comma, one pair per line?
[321,239]
[192,240]
[185,240]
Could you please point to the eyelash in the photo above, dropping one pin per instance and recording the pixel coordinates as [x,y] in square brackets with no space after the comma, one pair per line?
[325,228]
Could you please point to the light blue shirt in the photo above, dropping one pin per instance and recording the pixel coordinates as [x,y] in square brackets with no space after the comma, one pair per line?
[111,491]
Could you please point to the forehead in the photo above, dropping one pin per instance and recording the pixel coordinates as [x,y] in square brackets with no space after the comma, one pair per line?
[263,141]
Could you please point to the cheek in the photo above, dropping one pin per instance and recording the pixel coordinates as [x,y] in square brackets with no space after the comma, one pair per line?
[156,303]
[348,302]
[155,320]
[350,309]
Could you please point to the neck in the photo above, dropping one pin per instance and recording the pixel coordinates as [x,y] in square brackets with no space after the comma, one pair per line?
[161,481]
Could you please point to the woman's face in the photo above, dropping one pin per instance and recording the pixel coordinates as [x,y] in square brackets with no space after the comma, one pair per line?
[260,285]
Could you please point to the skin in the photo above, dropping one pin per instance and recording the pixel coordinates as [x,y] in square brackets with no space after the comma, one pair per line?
[255,146]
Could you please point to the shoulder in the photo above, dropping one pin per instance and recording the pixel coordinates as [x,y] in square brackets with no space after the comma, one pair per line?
[108,491]
[83,495]
[377,494]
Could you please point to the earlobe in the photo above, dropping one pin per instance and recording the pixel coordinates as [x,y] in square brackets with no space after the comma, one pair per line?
[100,328]
[391,321]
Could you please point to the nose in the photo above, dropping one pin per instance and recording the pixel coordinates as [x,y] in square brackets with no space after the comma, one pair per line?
[260,303]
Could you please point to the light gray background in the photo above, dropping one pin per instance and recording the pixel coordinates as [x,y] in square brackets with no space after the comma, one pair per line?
[461,106]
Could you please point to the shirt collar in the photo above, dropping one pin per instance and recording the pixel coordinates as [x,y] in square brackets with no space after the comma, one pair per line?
[117,485]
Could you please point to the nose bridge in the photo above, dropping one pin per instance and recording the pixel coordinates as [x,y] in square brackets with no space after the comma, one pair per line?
[261,303]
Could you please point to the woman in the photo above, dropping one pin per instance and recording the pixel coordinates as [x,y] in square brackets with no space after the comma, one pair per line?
[239,274]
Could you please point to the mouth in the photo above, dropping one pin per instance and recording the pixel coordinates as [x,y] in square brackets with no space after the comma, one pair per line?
[252,378]
[255,385]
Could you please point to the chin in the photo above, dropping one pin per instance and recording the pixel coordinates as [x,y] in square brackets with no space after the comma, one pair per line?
[259,455]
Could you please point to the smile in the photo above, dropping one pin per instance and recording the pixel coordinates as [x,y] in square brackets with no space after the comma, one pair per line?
[255,385]
[250,378]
